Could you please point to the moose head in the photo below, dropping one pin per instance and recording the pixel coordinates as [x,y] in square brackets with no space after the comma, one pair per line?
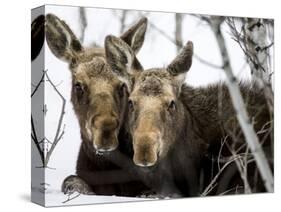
[155,110]
[98,95]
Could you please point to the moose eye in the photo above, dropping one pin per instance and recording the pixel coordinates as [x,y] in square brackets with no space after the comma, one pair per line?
[78,87]
[172,106]
[81,93]
[131,105]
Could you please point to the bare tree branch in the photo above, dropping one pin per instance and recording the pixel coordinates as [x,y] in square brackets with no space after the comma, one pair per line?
[83,22]
[36,142]
[69,197]
[213,184]
[242,168]
[123,21]
[38,84]
[178,31]
[230,190]
[240,108]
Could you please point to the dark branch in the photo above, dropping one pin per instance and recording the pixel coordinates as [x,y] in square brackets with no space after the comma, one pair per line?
[39,83]
[59,133]
[36,142]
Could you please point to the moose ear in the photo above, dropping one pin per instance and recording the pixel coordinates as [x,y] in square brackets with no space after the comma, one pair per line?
[182,63]
[120,57]
[134,36]
[61,40]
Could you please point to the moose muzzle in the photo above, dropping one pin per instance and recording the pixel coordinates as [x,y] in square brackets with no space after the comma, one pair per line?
[146,147]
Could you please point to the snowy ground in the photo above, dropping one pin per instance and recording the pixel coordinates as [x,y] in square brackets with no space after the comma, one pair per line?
[56,198]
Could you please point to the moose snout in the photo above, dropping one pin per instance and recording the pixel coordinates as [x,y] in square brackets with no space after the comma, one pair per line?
[106,141]
[146,149]
[105,134]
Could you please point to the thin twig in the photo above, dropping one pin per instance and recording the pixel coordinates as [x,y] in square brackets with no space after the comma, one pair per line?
[230,190]
[69,198]
[39,83]
[178,31]
[123,21]
[242,171]
[209,188]
[221,147]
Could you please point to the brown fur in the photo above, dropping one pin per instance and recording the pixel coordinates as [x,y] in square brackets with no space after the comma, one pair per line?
[101,105]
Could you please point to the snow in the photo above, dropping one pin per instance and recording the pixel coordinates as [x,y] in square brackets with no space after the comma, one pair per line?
[57,198]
